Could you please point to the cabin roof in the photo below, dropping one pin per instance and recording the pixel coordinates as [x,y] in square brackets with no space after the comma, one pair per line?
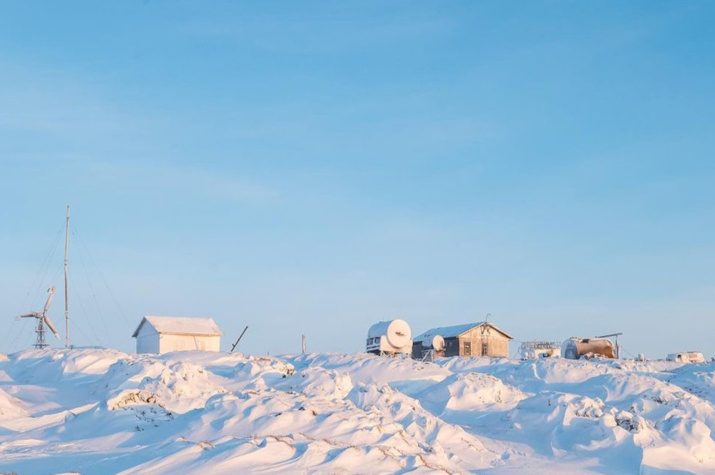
[180,326]
[456,330]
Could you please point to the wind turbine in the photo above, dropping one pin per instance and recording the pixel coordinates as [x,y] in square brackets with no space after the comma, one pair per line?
[42,320]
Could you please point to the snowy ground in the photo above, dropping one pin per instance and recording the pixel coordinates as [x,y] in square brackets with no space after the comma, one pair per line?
[102,411]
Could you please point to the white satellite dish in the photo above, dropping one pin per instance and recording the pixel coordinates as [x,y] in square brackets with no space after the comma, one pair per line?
[392,337]
[434,342]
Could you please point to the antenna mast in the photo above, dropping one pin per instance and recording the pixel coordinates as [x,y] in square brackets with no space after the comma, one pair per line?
[67,312]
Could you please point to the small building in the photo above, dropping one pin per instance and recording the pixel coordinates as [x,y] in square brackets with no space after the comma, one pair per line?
[470,339]
[539,349]
[687,357]
[164,334]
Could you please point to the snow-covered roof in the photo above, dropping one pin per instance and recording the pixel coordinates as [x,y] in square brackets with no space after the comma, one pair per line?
[456,330]
[181,325]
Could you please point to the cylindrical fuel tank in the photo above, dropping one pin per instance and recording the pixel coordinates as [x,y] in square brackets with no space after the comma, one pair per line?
[574,348]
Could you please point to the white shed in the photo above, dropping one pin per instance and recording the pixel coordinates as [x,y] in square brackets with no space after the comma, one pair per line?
[164,334]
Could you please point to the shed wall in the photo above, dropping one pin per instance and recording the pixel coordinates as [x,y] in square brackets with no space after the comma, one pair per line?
[148,344]
[147,339]
[168,343]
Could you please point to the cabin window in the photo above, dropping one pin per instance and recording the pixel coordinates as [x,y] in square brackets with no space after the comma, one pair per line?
[485,348]
[467,348]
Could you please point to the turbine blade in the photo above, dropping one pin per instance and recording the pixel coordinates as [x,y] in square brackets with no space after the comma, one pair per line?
[49,324]
[30,315]
[51,291]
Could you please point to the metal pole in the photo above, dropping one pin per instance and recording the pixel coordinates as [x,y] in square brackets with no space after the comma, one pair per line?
[239,339]
[304,345]
[40,343]
[67,312]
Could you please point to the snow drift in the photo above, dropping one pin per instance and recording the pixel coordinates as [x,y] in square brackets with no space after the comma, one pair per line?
[102,411]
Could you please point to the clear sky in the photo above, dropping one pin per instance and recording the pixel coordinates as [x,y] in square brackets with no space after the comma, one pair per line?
[314,167]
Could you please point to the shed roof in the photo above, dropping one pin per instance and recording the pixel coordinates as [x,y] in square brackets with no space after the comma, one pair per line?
[181,326]
[456,330]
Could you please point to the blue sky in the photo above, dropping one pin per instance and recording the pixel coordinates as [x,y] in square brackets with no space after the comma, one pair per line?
[314,167]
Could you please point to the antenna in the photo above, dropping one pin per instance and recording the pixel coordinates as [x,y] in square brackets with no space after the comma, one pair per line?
[67,312]
[42,320]
[239,339]
[486,320]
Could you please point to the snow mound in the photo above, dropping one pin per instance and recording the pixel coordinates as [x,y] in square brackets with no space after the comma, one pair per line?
[317,382]
[177,387]
[364,368]
[102,411]
[470,392]
[413,427]
[11,407]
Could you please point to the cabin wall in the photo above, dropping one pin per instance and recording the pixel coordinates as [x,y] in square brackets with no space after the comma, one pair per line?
[168,343]
[491,343]
[452,347]
[498,348]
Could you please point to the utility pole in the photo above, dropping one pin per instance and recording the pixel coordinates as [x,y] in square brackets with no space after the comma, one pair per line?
[67,312]
[304,344]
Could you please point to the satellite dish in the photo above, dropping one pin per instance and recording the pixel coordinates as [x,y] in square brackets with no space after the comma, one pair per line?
[391,337]
[398,333]
[436,342]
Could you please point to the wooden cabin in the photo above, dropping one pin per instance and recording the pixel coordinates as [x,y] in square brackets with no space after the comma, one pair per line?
[470,339]
[164,334]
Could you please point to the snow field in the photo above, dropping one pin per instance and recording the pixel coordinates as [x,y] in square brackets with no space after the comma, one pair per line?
[103,411]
